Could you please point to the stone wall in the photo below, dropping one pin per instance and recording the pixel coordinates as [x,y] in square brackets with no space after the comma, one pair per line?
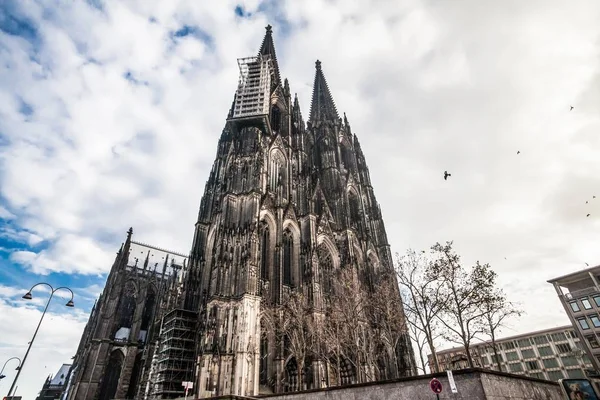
[472,384]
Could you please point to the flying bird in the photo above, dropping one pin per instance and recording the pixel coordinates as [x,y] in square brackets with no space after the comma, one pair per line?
[572,108]
[446,175]
[588,215]
[586,202]
[518,152]
[587,264]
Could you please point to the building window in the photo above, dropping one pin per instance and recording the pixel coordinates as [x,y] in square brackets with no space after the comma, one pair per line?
[540,339]
[550,363]
[516,367]
[597,300]
[524,343]
[595,320]
[575,373]
[539,375]
[512,356]
[555,375]
[545,351]
[563,347]
[531,365]
[583,323]
[586,303]
[528,353]
[558,337]
[569,361]
[508,345]
[574,306]
[593,341]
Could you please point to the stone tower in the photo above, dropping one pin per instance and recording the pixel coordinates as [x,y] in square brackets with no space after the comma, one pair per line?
[286,205]
[118,342]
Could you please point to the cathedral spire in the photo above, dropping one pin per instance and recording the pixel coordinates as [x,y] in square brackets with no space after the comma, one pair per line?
[322,106]
[267,48]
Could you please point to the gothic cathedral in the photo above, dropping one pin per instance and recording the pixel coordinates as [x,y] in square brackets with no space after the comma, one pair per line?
[287,205]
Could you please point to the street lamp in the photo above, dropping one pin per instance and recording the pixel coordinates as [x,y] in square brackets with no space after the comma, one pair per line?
[12,358]
[29,296]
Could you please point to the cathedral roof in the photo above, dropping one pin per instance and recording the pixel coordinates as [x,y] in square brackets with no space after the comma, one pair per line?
[322,106]
[268,48]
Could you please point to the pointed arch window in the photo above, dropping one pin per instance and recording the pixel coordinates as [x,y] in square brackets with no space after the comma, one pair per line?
[325,268]
[275,119]
[112,373]
[264,253]
[347,156]
[354,209]
[148,314]
[125,312]
[288,243]
[135,376]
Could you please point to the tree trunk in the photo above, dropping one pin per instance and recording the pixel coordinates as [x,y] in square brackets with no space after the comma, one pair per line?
[495,347]
[423,364]
[469,358]
[436,363]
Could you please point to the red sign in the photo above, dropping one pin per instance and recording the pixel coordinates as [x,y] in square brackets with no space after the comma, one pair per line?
[436,386]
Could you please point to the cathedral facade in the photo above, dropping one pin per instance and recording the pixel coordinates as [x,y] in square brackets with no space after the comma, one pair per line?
[287,205]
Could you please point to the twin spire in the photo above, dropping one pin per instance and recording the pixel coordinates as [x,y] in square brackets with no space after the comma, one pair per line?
[322,106]
[267,48]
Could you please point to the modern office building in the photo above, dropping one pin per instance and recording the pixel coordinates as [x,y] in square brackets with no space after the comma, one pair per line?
[550,354]
[579,293]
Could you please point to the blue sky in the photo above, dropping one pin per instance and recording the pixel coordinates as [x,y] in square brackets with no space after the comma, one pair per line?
[110,113]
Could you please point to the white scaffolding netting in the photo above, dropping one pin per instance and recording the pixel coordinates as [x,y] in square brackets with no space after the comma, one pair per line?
[252,95]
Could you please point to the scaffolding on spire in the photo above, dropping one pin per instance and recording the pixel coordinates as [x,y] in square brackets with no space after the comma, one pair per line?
[253,94]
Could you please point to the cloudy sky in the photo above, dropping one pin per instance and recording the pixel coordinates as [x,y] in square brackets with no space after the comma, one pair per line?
[110,112]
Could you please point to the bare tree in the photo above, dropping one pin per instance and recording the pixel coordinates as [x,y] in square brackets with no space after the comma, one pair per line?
[348,328]
[423,302]
[467,294]
[388,324]
[294,326]
[496,313]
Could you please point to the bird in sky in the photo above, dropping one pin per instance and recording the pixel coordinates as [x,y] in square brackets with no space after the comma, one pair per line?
[586,202]
[572,108]
[587,264]
[518,152]
[446,175]
[588,215]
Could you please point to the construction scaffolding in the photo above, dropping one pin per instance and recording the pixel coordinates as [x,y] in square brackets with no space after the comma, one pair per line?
[254,89]
[176,354]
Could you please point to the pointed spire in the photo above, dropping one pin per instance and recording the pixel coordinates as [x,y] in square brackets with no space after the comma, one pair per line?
[296,113]
[268,48]
[147,260]
[126,247]
[322,106]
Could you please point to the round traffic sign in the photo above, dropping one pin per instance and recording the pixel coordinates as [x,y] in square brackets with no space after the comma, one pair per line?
[435,385]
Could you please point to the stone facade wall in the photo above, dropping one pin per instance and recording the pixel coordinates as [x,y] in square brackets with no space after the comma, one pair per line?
[472,384]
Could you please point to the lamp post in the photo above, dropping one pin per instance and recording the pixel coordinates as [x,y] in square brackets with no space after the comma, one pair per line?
[28,296]
[12,358]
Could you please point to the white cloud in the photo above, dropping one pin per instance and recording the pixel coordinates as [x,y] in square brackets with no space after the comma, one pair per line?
[427,86]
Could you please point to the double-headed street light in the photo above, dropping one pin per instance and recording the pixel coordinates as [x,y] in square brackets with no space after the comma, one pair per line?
[12,358]
[29,296]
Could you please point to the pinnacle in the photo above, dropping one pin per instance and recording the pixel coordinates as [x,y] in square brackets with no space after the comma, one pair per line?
[267,48]
[322,106]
